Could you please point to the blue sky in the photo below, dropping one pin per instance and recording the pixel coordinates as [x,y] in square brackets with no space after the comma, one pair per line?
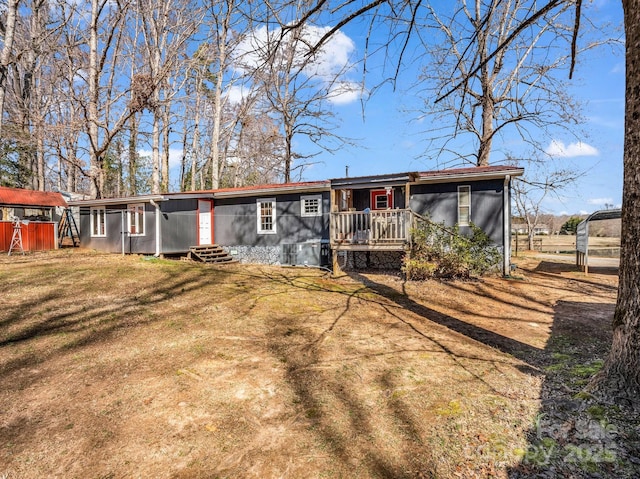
[389,141]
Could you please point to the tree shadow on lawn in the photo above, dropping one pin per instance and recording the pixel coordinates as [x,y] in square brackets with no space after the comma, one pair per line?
[323,397]
[576,436]
[80,324]
[573,437]
[558,267]
[548,268]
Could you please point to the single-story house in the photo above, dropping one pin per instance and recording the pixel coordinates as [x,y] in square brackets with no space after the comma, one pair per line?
[39,211]
[363,218]
[523,229]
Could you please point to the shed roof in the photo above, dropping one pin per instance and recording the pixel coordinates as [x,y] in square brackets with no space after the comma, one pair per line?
[21,197]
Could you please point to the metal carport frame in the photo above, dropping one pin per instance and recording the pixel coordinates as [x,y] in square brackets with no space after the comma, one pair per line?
[582,235]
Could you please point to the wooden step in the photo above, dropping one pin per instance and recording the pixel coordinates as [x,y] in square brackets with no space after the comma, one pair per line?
[212,254]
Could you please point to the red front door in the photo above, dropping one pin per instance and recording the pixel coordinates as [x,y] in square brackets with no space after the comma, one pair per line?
[382,199]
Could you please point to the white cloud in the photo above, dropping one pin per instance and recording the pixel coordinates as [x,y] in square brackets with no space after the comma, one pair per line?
[236,93]
[175,156]
[558,149]
[600,201]
[329,65]
[583,212]
[345,92]
[618,68]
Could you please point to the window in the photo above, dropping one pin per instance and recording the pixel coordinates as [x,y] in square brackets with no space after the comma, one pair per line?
[464,205]
[311,205]
[382,199]
[266,216]
[98,222]
[135,220]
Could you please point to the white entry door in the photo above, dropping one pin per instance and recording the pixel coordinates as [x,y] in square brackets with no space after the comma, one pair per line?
[204,222]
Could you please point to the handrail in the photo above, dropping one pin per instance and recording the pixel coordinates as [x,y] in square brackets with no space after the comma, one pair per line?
[372,227]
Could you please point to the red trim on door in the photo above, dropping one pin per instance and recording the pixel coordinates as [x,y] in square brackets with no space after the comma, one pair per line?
[377,193]
[213,240]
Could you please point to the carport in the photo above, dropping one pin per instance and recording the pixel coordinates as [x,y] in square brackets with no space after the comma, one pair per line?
[582,235]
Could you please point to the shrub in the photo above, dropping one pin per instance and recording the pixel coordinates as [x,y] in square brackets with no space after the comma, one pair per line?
[439,252]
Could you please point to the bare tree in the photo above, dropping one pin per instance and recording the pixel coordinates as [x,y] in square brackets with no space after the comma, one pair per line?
[298,88]
[516,91]
[222,20]
[254,147]
[529,193]
[7,29]
[105,115]
[167,26]
[64,120]
[26,99]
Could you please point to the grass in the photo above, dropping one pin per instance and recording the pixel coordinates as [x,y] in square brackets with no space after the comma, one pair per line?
[117,366]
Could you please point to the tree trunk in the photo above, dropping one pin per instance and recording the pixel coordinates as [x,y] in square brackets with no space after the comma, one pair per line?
[166,151]
[215,136]
[619,379]
[183,160]
[288,154]
[40,155]
[95,167]
[195,145]
[133,155]
[155,153]
[5,54]
[488,105]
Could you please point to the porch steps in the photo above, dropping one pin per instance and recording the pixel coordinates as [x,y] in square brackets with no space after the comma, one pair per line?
[210,253]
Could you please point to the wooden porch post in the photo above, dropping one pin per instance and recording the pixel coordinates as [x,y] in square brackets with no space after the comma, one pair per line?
[337,270]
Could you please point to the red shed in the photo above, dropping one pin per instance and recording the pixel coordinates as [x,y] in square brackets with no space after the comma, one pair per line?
[42,209]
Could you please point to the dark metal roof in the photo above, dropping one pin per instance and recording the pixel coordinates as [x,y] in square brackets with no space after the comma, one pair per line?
[20,197]
[605,215]
[479,172]
[272,188]
[141,198]
[453,174]
[374,180]
[210,194]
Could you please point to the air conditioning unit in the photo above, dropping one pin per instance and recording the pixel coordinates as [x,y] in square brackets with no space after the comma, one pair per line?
[309,253]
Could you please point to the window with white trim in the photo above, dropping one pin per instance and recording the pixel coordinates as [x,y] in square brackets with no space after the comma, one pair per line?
[382,199]
[98,221]
[135,220]
[311,205]
[266,215]
[464,205]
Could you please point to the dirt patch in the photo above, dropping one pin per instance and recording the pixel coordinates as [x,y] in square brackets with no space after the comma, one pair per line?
[117,366]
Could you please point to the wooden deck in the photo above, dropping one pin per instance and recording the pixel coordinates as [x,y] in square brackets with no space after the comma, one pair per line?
[369,231]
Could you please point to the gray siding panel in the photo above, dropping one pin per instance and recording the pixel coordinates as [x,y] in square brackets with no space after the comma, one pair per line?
[112,243]
[236,221]
[179,225]
[440,203]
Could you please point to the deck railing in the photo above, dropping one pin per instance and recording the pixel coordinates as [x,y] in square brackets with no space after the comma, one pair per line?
[373,227]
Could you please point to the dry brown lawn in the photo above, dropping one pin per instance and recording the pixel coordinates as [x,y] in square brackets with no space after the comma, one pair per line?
[114,367]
